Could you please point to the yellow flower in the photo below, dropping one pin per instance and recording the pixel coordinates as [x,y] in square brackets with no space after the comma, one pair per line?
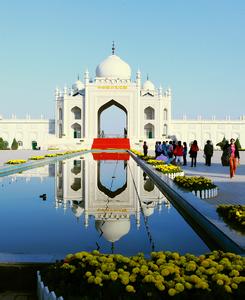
[179,287]
[165,272]
[130,289]
[97,280]
[172,292]
[113,276]
[228,289]
[220,282]
[91,279]
[160,286]
[88,274]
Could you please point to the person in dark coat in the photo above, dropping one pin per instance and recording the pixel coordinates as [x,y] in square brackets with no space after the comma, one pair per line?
[193,153]
[184,153]
[208,151]
[145,149]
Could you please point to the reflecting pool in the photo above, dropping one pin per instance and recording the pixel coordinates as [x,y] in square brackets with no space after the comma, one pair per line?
[87,203]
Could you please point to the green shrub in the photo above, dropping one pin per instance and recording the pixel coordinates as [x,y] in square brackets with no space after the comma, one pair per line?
[237,142]
[14,145]
[223,143]
[3,144]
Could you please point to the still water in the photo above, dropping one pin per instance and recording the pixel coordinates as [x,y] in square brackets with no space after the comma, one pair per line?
[83,204]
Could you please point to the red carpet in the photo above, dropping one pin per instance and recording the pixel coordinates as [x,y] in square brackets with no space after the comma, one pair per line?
[110,156]
[111,143]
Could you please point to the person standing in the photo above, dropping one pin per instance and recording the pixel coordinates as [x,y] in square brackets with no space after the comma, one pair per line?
[234,157]
[145,149]
[193,153]
[178,152]
[184,153]
[208,151]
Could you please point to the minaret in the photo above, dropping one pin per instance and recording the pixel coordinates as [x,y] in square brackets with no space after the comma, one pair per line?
[86,76]
[138,78]
[160,91]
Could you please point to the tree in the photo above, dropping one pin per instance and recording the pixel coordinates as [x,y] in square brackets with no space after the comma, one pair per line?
[3,144]
[223,143]
[237,142]
[14,145]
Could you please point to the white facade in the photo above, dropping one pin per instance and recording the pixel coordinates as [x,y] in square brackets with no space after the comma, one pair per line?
[148,114]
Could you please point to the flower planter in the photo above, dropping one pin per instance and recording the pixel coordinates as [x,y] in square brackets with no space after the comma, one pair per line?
[206,194]
[43,292]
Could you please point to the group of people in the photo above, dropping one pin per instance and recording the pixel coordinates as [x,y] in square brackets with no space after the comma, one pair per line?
[176,153]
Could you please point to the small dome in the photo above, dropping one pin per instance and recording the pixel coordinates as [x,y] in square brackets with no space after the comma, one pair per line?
[148,210]
[77,210]
[113,230]
[113,67]
[78,86]
[148,86]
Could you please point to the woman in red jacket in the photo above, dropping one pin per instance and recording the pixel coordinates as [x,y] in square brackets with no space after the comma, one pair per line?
[178,152]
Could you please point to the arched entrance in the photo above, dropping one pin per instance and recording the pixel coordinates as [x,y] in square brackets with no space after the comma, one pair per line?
[112,120]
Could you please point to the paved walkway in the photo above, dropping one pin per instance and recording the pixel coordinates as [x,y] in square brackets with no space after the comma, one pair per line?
[231,190]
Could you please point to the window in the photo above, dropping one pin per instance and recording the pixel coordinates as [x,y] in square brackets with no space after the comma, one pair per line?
[149,131]
[149,113]
[76,130]
[76,112]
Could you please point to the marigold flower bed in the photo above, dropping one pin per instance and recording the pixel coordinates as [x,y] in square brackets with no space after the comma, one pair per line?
[200,186]
[16,161]
[233,215]
[155,162]
[51,155]
[37,157]
[216,275]
[166,169]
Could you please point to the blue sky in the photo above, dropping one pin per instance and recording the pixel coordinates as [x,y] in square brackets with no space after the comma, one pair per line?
[195,47]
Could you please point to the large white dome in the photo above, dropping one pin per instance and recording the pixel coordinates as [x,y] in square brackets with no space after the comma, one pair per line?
[113,67]
[113,230]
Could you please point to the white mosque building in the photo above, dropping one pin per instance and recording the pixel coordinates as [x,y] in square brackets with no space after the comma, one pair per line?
[148,114]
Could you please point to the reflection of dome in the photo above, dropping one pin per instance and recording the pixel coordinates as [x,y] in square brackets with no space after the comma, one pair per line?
[113,67]
[149,185]
[78,86]
[148,208]
[77,210]
[148,85]
[113,230]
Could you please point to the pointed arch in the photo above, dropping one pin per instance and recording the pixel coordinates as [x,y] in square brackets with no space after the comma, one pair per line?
[165,114]
[108,105]
[76,130]
[149,113]
[149,131]
[76,112]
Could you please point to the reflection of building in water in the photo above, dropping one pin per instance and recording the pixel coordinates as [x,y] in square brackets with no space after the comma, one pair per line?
[110,191]
[70,185]
[40,172]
